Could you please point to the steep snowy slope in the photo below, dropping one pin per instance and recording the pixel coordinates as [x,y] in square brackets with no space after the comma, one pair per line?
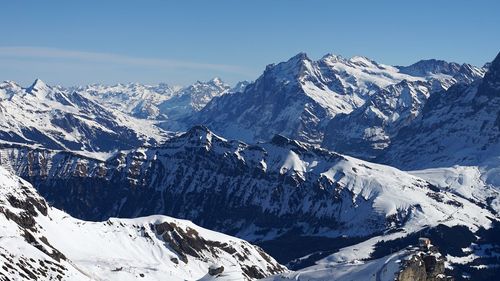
[459,126]
[53,118]
[411,264]
[297,98]
[25,253]
[368,130]
[38,242]
[193,98]
[258,192]
[455,143]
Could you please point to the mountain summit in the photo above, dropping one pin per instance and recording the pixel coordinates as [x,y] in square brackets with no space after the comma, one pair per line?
[297,98]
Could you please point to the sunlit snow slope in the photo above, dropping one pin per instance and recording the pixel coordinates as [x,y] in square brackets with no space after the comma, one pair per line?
[42,243]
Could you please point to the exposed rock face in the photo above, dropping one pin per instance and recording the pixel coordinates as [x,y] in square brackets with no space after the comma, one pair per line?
[460,126]
[215,270]
[34,237]
[258,192]
[413,270]
[368,130]
[299,97]
[20,207]
[423,267]
[187,242]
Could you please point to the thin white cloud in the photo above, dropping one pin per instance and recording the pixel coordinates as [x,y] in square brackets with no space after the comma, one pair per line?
[24,52]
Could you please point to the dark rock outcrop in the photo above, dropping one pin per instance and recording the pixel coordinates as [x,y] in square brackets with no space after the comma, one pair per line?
[216,270]
[423,267]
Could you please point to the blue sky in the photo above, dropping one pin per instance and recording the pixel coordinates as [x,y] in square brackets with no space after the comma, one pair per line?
[179,42]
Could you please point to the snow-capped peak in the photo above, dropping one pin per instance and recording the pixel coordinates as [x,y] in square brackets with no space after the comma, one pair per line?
[302,56]
[9,84]
[38,87]
[240,86]
[197,131]
[216,81]
[429,66]
[292,70]
[362,61]
[8,89]
[332,58]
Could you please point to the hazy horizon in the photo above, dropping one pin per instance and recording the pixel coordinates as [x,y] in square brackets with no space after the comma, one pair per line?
[86,42]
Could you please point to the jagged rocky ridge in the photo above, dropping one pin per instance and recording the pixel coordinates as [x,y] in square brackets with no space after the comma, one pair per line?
[54,118]
[97,118]
[38,242]
[367,131]
[299,97]
[457,126]
[262,192]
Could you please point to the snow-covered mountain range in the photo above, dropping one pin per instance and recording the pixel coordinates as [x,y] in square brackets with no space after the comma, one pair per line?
[51,117]
[319,102]
[281,162]
[160,102]
[299,97]
[140,101]
[457,126]
[98,118]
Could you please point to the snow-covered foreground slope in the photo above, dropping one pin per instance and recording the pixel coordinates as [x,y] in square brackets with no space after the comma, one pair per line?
[383,269]
[43,243]
[465,254]
[477,183]
[265,193]
[409,264]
